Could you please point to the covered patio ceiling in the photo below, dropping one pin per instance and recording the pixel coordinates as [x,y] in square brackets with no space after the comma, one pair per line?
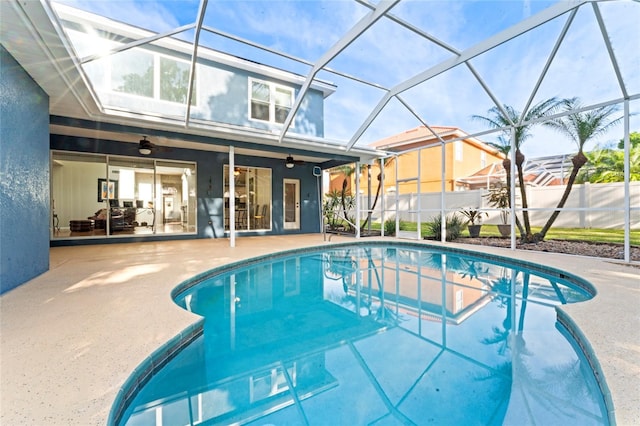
[395,64]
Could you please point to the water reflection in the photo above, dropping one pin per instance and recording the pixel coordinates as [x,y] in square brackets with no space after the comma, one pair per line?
[375,335]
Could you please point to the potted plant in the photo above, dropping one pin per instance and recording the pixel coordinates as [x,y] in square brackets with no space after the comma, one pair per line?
[498,197]
[474,220]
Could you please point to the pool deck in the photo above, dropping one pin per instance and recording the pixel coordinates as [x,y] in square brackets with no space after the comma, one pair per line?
[72,336]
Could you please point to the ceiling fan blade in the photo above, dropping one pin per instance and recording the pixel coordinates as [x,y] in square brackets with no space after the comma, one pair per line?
[146,147]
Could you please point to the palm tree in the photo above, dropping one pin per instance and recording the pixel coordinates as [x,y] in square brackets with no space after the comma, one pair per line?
[579,127]
[504,147]
[607,165]
[386,162]
[498,120]
[347,170]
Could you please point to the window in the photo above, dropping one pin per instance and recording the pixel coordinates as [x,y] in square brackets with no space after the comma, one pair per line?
[459,300]
[174,81]
[135,71]
[132,72]
[269,101]
[284,101]
[483,160]
[127,182]
[260,101]
[457,146]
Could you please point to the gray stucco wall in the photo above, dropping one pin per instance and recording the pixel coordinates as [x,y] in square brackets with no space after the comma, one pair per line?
[24,176]
[222,96]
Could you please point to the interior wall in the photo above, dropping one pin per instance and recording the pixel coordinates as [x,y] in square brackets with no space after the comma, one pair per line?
[24,176]
[81,180]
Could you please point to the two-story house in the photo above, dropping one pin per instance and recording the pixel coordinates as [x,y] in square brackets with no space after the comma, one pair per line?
[116,133]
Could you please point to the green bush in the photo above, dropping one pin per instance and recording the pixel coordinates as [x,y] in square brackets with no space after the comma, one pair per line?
[455,225]
[390,226]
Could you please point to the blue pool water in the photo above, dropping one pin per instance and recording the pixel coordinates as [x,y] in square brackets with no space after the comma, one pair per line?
[371,334]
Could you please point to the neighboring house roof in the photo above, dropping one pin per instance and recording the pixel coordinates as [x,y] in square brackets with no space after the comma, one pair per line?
[541,171]
[421,136]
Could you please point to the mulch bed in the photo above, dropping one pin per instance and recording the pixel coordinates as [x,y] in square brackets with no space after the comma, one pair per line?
[582,248]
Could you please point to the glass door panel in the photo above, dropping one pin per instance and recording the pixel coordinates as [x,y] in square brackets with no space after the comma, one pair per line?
[291,204]
[252,186]
[76,190]
[175,201]
[132,210]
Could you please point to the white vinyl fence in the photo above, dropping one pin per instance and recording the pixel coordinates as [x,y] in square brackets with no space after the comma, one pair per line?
[588,206]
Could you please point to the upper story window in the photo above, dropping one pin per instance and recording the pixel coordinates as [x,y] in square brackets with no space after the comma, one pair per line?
[132,72]
[139,72]
[458,149]
[269,101]
[174,81]
[136,71]
[483,160]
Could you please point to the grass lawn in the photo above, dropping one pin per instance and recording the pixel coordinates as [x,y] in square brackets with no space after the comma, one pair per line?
[594,235]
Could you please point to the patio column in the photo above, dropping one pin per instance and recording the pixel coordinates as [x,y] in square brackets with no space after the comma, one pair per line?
[232,198]
[627,189]
[358,203]
[512,186]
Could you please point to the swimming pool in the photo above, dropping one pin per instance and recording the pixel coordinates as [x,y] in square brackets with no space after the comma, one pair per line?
[371,333]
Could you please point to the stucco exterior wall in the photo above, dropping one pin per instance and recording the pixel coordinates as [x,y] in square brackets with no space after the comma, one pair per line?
[24,175]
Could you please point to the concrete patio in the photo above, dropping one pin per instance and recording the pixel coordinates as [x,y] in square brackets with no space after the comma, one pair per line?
[72,336]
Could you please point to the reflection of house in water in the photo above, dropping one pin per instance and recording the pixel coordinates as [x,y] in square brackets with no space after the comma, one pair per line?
[426,290]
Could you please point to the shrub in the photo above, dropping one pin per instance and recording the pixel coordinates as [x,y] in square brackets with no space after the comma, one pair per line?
[390,226]
[454,226]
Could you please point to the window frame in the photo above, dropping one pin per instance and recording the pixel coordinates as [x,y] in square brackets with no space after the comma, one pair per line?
[156,78]
[273,95]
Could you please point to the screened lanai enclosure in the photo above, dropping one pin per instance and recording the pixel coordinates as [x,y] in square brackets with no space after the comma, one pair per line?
[453,99]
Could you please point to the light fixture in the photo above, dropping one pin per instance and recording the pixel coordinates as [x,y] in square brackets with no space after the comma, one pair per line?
[289,163]
[144,147]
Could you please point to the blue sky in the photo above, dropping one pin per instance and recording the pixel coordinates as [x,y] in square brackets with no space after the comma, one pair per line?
[388,54]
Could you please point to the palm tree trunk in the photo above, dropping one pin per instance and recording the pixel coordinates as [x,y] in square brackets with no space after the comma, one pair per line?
[526,236]
[506,165]
[578,161]
[373,206]
[342,201]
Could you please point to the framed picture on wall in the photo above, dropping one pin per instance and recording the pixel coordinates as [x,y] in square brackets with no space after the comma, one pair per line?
[107,190]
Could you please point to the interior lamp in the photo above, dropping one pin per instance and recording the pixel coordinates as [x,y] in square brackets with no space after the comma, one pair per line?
[144,150]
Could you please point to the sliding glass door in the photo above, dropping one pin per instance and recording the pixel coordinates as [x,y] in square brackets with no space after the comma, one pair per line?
[252,199]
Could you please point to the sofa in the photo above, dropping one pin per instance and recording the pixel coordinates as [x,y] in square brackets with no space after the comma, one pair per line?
[121,219]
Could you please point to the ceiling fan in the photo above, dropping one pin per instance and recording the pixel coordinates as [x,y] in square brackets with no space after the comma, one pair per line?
[290,162]
[145,147]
